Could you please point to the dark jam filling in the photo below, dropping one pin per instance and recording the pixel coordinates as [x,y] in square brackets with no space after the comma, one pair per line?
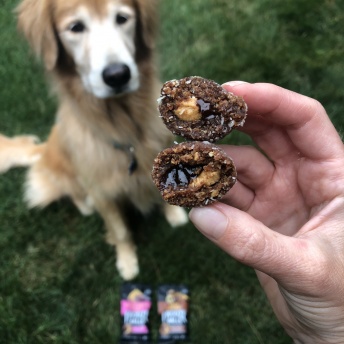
[181,176]
[207,110]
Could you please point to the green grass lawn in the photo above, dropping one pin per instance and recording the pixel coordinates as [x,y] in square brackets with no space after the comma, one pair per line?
[58,282]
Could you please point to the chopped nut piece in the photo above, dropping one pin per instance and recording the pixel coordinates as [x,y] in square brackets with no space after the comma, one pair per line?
[207,178]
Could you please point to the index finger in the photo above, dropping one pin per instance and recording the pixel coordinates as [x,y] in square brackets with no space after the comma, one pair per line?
[304,119]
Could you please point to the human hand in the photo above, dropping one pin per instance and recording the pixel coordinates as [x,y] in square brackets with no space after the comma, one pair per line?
[285,215]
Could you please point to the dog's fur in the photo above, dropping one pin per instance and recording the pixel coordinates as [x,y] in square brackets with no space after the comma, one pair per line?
[86,155]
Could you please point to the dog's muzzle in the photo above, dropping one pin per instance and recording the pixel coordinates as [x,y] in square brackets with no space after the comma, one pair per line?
[116,75]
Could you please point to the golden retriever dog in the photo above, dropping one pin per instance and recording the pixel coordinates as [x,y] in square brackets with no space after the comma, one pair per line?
[99,57]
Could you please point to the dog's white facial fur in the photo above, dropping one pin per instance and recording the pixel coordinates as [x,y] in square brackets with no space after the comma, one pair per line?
[96,42]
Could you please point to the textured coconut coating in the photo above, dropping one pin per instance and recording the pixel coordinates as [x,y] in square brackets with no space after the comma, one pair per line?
[200,109]
[193,174]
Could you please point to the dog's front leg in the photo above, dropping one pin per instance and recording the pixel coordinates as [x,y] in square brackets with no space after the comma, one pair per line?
[119,236]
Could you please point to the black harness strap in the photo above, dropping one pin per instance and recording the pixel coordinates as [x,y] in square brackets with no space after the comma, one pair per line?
[130,151]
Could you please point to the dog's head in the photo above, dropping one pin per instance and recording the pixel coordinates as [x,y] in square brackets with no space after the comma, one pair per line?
[102,41]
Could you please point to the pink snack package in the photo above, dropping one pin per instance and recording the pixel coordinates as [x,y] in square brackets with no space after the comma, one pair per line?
[135,308]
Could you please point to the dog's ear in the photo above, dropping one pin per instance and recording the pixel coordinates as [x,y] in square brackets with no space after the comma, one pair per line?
[35,22]
[148,20]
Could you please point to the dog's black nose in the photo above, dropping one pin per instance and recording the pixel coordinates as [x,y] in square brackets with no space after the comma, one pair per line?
[116,75]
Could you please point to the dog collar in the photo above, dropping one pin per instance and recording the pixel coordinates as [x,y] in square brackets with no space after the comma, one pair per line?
[129,150]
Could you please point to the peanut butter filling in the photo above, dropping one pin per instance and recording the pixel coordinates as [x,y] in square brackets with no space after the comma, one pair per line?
[188,110]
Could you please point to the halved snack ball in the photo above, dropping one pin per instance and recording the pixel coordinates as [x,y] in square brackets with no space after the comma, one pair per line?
[200,109]
[193,174]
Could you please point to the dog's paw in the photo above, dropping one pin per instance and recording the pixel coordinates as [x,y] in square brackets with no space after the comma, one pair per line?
[127,262]
[175,216]
[5,166]
[27,139]
[26,159]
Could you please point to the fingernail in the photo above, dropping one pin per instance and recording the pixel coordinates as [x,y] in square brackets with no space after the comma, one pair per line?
[210,221]
[234,83]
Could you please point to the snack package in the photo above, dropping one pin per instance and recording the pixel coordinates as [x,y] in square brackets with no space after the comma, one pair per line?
[135,307]
[173,307]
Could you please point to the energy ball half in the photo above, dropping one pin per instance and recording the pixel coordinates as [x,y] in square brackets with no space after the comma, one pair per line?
[193,174]
[200,109]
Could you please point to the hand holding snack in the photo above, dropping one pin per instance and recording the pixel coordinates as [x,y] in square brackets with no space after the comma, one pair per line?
[284,216]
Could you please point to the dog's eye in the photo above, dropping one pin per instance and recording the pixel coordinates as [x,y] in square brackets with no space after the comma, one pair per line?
[121,19]
[77,27]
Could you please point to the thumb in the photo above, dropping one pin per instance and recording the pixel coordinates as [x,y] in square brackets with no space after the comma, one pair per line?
[250,242]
